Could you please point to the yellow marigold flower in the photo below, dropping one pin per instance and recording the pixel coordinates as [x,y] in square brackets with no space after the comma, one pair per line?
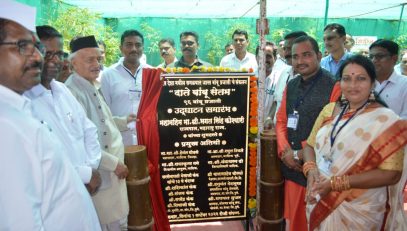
[227,69]
[174,69]
[244,69]
[168,69]
[180,69]
[216,69]
[203,69]
[194,67]
[252,145]
[252,203]
[253,130]
[221,69]
[210,69]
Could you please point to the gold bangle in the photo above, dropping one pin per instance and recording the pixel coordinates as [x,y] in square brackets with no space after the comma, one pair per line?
[307,166]
[333,183]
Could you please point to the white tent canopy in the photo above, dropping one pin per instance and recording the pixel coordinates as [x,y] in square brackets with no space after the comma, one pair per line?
[373,9]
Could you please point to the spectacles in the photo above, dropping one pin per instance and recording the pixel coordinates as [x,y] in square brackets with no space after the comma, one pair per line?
[51,55]
[26,47]
[378,56]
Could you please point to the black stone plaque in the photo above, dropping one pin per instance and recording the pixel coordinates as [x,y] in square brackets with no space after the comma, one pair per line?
[203,126]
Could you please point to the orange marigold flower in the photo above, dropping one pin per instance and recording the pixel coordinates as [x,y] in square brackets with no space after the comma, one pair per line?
[253,89]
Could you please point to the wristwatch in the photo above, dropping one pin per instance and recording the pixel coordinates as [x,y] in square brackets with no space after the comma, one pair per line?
[295,155]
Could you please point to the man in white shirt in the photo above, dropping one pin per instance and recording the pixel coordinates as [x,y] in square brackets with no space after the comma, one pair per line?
[280,63]
[241,58]
[40,188]
[390,86]
[271,80]
[121,83]
[53,103]
[167,52]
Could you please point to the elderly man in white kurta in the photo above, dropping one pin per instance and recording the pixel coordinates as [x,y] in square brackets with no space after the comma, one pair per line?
[53,103]
[40,188]
[111,200]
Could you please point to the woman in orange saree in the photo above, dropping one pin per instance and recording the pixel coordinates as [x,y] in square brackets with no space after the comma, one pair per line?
[353,153]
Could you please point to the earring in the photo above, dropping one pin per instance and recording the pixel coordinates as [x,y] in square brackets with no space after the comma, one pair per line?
[343,100]
[372,97]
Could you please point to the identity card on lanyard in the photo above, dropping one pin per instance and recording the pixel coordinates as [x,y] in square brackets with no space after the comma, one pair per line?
[292,121]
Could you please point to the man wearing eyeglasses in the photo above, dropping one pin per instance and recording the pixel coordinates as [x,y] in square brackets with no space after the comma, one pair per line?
[189,47]
[40,189]
[390,86]
[53,103]
[334,40]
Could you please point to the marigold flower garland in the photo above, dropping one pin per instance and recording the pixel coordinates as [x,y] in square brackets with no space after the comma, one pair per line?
[253,130]
[203,69]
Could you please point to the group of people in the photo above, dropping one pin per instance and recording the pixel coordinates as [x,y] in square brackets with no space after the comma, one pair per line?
[340,124]
[341,133]
[63,151]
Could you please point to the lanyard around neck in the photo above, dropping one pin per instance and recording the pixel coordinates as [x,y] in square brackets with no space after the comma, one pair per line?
[380,92]
[133,76]
[332,136]
[301,98]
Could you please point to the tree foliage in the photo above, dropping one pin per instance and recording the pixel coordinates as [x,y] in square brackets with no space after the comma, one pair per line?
[74,21]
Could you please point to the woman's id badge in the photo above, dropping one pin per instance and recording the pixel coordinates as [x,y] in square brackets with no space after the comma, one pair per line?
[324,165]
[292,121]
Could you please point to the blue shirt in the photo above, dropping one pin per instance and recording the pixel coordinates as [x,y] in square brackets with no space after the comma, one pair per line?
[329,64]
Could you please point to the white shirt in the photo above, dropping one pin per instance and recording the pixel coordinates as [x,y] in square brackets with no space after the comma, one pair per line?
[122,92]
[231,60]
[394,93]
[164,65]
[279,65]
[67,119]
[285,76]
[270,86]
[40,188]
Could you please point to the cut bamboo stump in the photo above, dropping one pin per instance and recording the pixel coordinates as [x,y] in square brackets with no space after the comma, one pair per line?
[140,215]
[271,185]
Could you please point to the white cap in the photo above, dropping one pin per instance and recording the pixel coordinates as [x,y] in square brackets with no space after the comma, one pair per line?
[19,13]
